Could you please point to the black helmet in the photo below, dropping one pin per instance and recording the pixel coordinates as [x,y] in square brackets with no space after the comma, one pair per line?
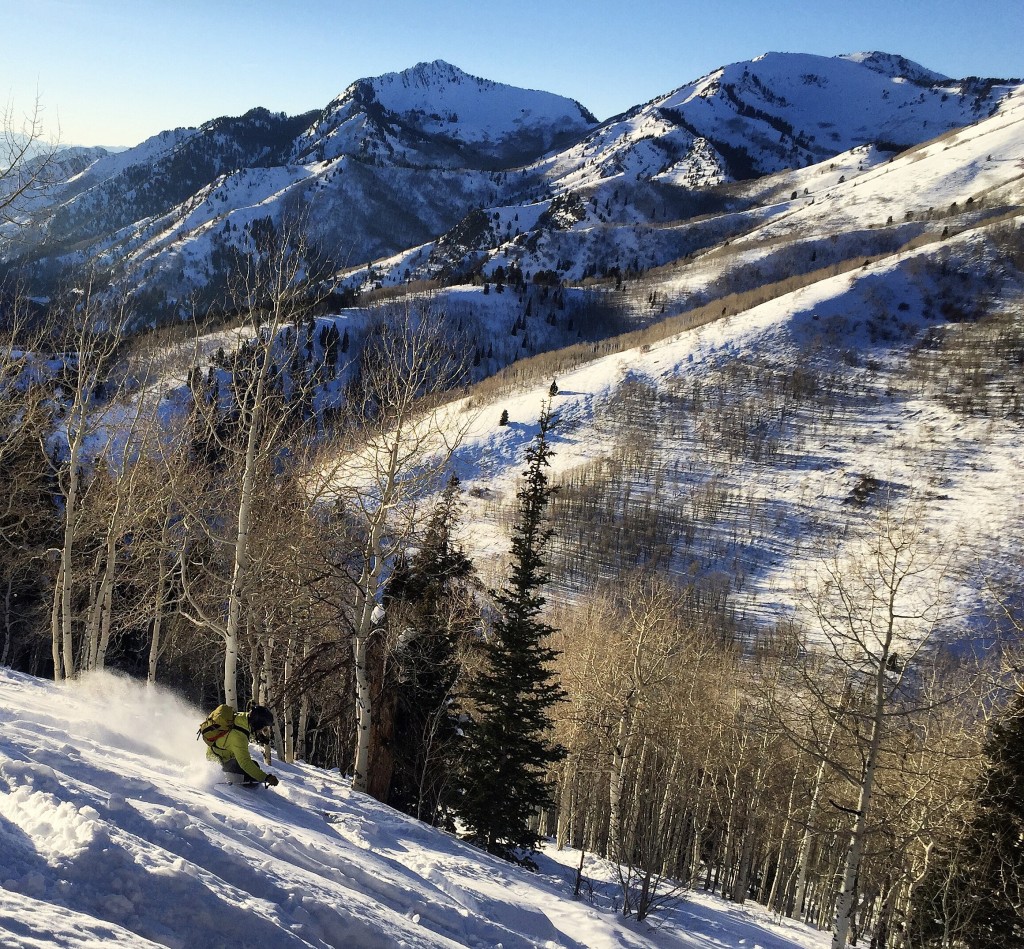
[260,717]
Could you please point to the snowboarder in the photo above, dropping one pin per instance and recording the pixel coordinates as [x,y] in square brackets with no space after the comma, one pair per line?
[231,748]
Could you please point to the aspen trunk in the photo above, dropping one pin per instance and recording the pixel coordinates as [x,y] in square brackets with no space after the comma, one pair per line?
[847,902]
[7,620]
[63,590]
[566,794]
[155,644]
[55,640]
[780,856]
[364,712]
[370,592]
[91,640]
[303,722]
[807,839]
[616,777]
[240,568]
[99,625]
[105,620]
[289,710]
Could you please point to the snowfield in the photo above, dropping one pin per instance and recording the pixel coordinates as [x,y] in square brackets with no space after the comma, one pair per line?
[114,831]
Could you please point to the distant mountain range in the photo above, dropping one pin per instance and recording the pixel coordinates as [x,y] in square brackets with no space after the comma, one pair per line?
[432,173]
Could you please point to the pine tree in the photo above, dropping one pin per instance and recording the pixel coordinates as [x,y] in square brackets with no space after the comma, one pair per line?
[509,754]
[432,594]
[973,892]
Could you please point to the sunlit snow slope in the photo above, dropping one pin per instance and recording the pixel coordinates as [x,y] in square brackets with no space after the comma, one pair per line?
[113,832]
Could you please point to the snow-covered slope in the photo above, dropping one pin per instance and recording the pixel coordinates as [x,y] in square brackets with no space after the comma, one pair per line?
[114,832]
[781,110]
[849,273]
[436,115]
[716,419]
[391,162]
[396,161]
[862,200]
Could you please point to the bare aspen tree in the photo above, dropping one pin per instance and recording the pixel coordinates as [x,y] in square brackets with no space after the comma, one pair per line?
[808,835]
[632,666]
[27,163]
[395,458]
[284,618]
[877,608]
[650,639]
[270,293]
[95,323]
[165,563]
[133,437]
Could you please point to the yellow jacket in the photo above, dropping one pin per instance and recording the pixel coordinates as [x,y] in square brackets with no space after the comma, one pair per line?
[235,744]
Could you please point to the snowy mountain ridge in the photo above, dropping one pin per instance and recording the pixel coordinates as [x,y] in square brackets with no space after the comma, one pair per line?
[897,67]
[440,100]
[612,218]
[399,160]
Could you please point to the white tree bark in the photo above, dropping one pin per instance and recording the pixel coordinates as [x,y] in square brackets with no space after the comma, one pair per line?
[98,636]
[398,461]
[159,596]
[64,654]
[616,778]
[99,332]
[879,612]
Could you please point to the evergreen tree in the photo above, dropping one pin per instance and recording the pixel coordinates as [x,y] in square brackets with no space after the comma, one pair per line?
[973,893]
[433,598]
[508,753]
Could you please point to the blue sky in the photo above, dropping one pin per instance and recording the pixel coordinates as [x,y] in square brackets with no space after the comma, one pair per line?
[113,72]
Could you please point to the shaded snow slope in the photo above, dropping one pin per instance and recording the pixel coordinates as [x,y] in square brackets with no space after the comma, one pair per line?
[113,832]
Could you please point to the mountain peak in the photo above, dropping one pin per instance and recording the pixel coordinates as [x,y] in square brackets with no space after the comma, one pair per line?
[896,67]
[436,71]
[435,114]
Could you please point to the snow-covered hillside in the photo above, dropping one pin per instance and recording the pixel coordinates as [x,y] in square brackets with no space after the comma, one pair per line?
[781,110]
[960,469]
[653,187]
[389,163]
[395,162]
[437,115]
[113,831]
[850,272]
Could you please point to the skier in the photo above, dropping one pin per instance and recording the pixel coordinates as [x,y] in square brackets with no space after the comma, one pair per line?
[231,747]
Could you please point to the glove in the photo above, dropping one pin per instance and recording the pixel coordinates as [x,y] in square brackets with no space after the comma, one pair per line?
[271,781]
